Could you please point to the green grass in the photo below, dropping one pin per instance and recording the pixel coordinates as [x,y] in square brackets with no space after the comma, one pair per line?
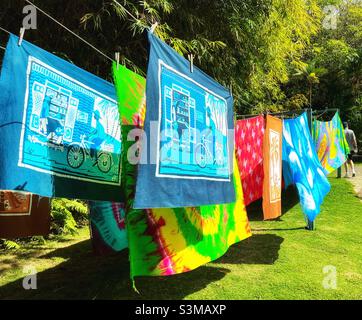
[280,261]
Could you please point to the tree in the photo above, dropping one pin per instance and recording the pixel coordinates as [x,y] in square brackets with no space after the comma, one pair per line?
[255,47]
[309,73]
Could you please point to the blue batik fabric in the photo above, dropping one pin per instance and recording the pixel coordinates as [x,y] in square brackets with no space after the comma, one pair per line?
[59,127]
[187,154]
[302,167]
[108,219]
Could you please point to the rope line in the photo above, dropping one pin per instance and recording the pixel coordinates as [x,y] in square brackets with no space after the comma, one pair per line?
[72,32]
[129,13]
[8,32]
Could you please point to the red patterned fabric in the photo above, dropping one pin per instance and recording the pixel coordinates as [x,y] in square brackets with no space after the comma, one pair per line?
[249,136]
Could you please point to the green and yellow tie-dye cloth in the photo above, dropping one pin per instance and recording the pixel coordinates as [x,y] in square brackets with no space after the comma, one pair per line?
[170,241]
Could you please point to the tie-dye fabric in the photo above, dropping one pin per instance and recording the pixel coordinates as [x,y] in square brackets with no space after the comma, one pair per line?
[130,89]
[249,136]
[330,142]
[108,226]
[170,241]
[302,167]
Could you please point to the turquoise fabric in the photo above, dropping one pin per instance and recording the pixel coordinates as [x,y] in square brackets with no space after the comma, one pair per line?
[59,127]
[187,158]
[301,166]
[108,219]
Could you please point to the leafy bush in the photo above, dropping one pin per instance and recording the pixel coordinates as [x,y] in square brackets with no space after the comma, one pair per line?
[9,245]
[67,215]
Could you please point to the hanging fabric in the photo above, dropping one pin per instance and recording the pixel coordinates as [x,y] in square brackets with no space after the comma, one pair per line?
[107,221]
[187,157]
[130,89]
[169,241]
[249,135]
[272,158]
[23,215]
[60,127]
[330,142]
[302,167]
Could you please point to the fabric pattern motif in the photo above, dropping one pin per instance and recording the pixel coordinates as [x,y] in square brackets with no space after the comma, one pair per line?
[249,135]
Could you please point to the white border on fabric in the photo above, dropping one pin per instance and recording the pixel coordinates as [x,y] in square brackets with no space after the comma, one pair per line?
[19,214]
[27,166]
[159,175]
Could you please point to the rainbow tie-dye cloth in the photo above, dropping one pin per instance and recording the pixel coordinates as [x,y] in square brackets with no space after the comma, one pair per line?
[331,144]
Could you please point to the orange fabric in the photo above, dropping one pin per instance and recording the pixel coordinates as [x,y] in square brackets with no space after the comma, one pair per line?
[23,215]
[272,155]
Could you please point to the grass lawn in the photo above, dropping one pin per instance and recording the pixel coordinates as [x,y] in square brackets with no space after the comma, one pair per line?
[280,261]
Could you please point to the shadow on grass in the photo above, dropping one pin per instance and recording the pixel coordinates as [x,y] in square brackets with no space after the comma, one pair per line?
[280,229]
[290,199]
[258,249]
[85,276]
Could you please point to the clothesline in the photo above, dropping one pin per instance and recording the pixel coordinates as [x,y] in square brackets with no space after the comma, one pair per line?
[319,113]
[75,34]
[6,31]
[1,28]
[315,113]
[70,31]
[129,13]
[326,110]
[288,112]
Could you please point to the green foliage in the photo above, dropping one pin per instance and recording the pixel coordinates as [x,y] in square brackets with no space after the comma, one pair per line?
[297,102]
[268,51]
[253,46]
[245,44]
[9,244]
[67,215]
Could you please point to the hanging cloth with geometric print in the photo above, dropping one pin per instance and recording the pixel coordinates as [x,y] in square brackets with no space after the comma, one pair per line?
[249,135]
